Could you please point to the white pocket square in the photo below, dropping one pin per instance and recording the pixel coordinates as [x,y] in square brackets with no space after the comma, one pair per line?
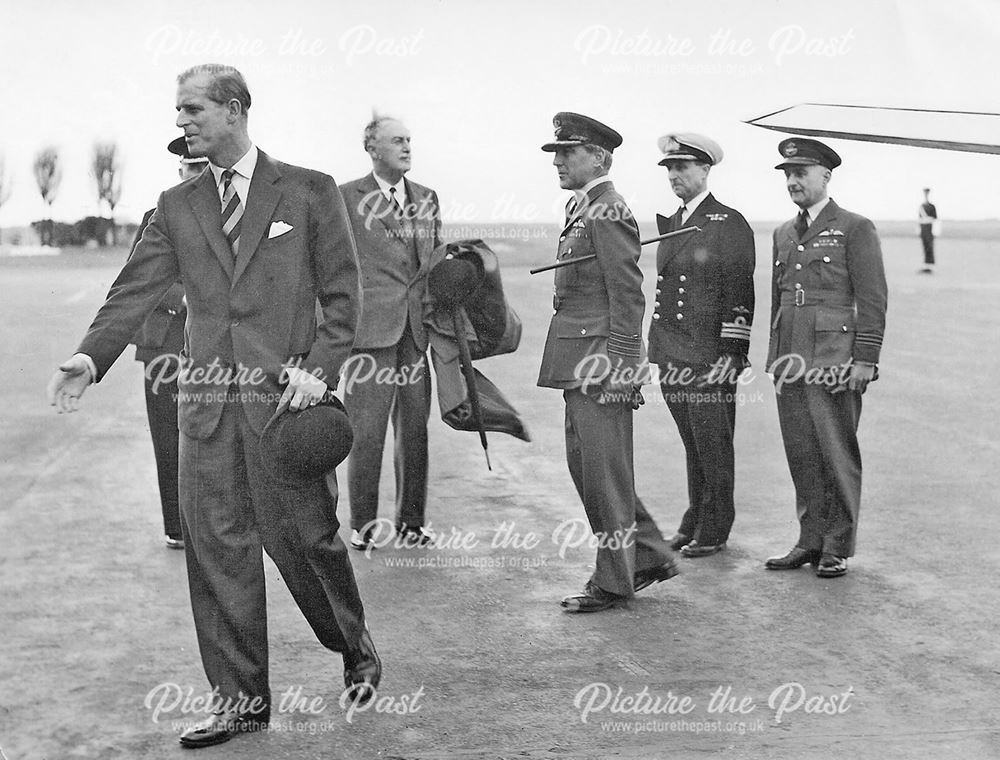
[278,228]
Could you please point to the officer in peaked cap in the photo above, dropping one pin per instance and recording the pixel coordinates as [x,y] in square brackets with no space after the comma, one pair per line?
[593,353]
[828,302]
[577,129]
[157,345]
[801,151]
[701,329]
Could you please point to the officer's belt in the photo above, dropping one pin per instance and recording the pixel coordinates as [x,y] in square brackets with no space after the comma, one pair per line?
[815,297]
[585,300]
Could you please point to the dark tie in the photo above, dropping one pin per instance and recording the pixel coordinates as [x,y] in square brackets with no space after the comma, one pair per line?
[802,224]
[232,212]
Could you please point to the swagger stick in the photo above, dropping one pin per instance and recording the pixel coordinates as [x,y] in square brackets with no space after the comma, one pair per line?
[579,259]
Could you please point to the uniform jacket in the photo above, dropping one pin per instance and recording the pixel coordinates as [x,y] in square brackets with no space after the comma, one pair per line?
[163,330]
[394,288]
[598,304]
[704,287]
[828,291]
[254,314]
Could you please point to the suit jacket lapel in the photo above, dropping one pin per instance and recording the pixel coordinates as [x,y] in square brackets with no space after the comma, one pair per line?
[263,199]
[207,208]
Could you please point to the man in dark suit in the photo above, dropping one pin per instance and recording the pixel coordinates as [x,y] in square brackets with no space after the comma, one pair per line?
[256,244]
[828,302]
[158,346]
[396,225]
[700,335]
[594,354]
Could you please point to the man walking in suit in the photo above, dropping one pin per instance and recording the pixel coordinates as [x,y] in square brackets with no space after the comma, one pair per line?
[700,335]
[593,353]
[828,302]
[396,225]
[256,243]
[158,346]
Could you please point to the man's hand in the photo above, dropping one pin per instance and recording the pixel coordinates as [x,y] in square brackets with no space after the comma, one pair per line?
[303,390]
[621,393]
[69,383]
[861,375]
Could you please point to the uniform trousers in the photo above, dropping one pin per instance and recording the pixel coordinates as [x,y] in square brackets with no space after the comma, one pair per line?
[161,411]
[230,509]
[599,455]
[819,430]
[706,420]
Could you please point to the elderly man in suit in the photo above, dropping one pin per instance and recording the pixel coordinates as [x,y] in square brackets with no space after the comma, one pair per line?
[256,243]
[700,335]
[158,346]
[396,225]
[594,354]
[828,302]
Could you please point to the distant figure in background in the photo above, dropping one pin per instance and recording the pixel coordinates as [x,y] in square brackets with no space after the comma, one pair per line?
[158,345]
[928,218]
[396,225]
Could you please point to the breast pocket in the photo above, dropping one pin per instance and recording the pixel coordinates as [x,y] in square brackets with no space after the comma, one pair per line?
[828,262]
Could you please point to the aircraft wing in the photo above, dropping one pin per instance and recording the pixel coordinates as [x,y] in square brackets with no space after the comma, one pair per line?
[967,131]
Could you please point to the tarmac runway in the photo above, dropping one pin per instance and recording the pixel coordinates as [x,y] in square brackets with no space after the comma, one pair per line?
[899,659]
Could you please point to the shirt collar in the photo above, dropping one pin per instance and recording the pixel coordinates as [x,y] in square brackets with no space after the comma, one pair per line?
[244,167]
[693,204]
[384,187]
[815,209]
[581,193]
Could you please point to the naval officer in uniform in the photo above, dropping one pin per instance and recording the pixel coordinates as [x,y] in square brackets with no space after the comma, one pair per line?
[700,335]
[594,354]
[828,302]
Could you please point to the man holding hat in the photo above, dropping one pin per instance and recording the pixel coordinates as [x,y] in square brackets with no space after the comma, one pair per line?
[700,335]
[593,353]
[828,302]
[158,346]
[258,243]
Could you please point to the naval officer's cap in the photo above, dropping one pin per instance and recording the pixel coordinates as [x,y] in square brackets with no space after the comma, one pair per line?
[179,148]
[801,151]
[689,146]
[577,129]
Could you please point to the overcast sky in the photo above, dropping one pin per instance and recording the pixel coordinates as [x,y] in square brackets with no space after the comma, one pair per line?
[478,84]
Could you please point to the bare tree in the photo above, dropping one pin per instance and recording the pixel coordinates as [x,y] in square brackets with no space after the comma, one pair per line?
[5,186]
[107,171]
[48,175]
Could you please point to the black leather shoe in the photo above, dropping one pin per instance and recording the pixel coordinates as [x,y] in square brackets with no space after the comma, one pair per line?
[413,538]
[363,541]
[362,669]
[679,540]
[831,566]
[173,543]
[591,599]
[222,726]
[795,559]
[664,572]
[694,549]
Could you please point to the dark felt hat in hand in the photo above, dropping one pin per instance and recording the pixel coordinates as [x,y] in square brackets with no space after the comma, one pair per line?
[306,445]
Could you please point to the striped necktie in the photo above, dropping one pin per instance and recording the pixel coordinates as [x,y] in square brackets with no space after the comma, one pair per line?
[232,212]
